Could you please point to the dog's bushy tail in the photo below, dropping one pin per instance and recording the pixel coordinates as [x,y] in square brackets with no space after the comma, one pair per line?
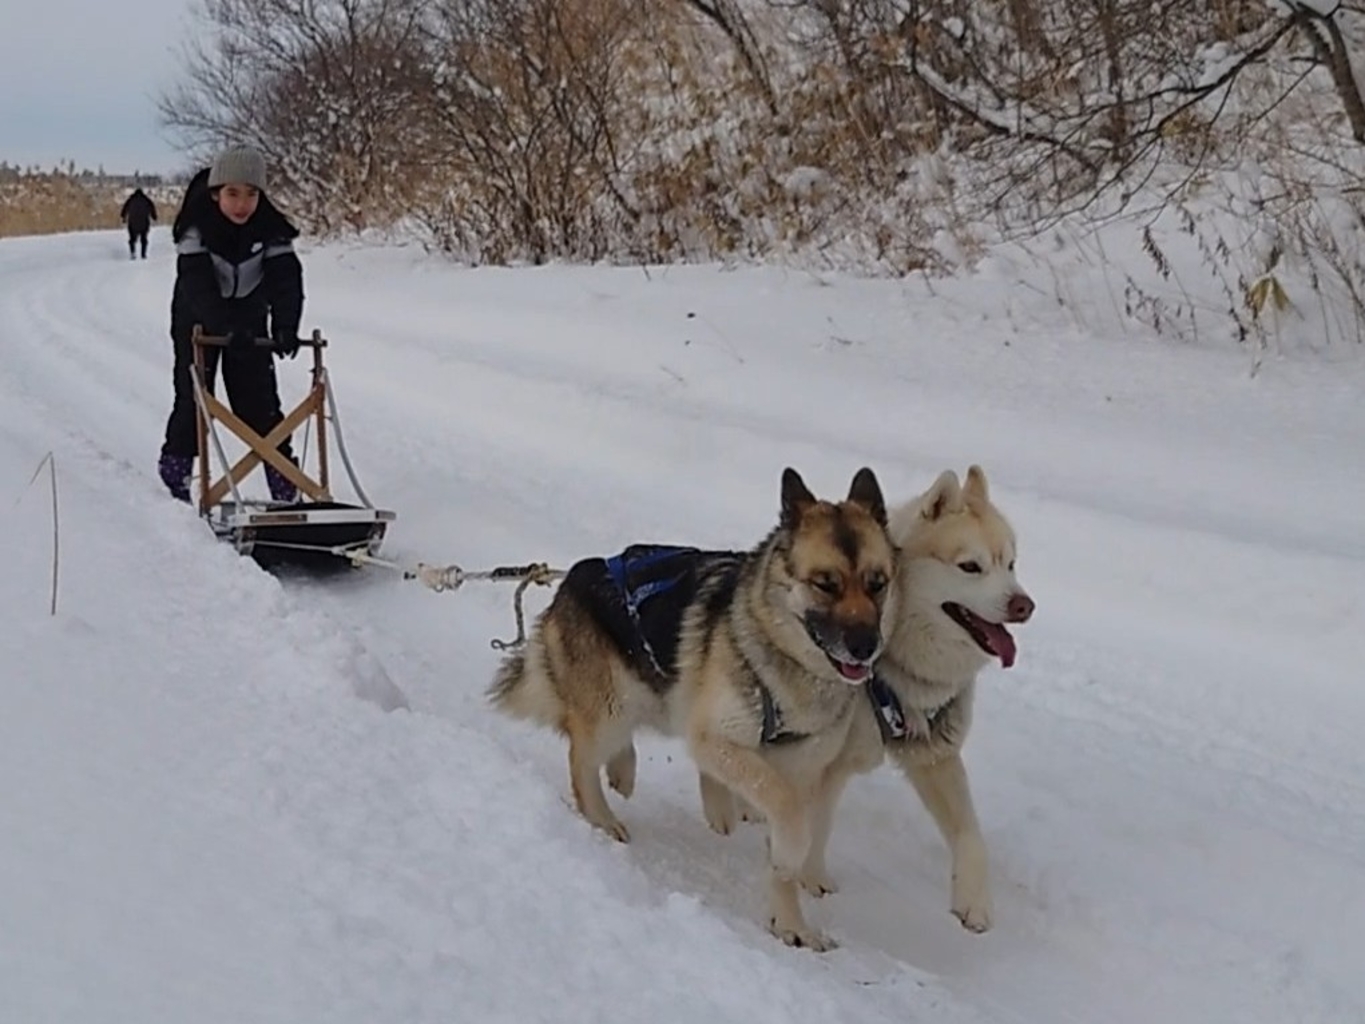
[522,688]
[511,674]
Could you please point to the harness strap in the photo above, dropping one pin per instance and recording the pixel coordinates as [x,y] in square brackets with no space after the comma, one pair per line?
[887,706]
[772,733]
[642,593]
[890,714]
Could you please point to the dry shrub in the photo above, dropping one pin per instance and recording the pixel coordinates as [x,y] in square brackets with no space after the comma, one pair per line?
[43,204]
[641,131]
[880,135]
[527,113]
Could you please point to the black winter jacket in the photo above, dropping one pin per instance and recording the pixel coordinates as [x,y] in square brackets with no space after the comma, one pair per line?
[229,278]
[138,211]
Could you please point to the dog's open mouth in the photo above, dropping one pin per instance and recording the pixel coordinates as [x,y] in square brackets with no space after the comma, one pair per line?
[853,672]
[991,637]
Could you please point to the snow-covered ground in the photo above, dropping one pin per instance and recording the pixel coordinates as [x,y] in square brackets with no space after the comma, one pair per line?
[231,797]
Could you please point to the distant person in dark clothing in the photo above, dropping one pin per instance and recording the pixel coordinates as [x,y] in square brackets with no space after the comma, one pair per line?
[138,213]
[235,268]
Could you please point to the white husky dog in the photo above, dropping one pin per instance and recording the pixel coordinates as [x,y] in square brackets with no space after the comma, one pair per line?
[958,591]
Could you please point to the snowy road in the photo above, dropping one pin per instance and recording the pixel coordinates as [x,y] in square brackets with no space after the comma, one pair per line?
[1171,780]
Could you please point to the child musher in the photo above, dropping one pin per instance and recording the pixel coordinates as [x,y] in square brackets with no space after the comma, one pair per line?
[235,270]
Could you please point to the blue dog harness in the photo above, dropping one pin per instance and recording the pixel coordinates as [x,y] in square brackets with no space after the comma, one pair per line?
[645,571]
[656,583]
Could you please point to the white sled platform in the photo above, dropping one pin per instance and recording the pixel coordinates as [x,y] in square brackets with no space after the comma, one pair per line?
[315,531]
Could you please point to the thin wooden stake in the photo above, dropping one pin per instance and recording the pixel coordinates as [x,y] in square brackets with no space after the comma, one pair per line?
[50,461]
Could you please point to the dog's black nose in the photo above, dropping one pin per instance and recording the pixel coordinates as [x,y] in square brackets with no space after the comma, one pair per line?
[862,643]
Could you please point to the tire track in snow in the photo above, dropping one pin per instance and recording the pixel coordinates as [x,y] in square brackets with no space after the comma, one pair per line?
[730,400]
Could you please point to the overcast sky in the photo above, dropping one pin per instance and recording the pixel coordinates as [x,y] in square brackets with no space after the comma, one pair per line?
[79,80]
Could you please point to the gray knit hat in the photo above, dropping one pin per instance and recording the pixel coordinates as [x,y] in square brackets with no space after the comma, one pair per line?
[238,165]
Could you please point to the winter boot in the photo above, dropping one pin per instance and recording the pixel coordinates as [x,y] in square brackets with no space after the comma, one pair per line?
[175,473]
[281,488]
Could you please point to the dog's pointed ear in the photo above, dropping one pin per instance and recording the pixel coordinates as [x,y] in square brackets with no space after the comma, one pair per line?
[943,497]
[975,491]
[865,491]
[796,498]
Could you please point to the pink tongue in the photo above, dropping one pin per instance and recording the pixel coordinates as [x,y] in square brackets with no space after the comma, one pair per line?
[1001,643]
[853,673]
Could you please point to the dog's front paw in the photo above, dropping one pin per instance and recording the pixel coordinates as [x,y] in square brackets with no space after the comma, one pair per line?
[614,827]
[817,882]
[721,819]
[621,772]
[972,904]
[974,919]
[802,936]
[971,901]
[718,807]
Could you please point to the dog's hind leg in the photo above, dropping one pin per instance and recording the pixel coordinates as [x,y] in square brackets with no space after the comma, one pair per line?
[586,745]
[943,788]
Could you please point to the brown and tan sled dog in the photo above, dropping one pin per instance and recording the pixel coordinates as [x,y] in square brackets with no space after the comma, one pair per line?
[757,659]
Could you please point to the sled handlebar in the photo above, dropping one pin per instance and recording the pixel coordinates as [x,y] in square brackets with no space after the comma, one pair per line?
[200,337]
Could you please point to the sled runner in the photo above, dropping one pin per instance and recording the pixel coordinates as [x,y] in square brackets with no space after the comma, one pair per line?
[317,530]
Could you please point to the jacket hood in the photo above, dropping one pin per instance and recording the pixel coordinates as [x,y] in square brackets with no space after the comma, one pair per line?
[200,210]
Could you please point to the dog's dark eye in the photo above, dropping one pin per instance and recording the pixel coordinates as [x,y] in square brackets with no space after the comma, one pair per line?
[826,584]
[970,568]
[876,582]
[1011,565]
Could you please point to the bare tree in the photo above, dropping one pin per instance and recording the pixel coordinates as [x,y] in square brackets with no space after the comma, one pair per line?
[325,88]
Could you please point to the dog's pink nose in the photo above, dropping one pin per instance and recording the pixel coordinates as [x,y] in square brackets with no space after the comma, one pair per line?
[1020,607]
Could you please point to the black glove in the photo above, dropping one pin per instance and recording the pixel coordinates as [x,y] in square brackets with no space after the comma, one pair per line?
[286,343]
